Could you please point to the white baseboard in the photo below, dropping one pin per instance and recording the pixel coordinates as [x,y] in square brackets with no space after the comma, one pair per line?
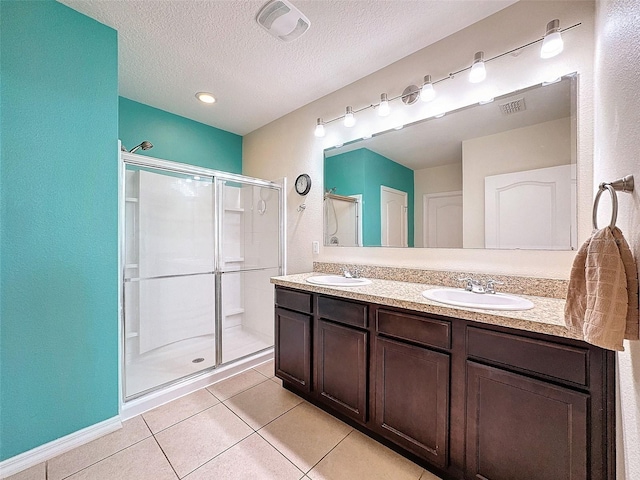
[155,399]
[33,457]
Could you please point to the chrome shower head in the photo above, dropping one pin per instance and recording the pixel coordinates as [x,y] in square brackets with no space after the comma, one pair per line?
[144,146]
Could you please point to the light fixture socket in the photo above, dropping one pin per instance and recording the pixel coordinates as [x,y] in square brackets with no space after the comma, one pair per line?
[383,108]
[478,71]
[349,119]
[552,43]
[319,132]
[410,95]
[427,93]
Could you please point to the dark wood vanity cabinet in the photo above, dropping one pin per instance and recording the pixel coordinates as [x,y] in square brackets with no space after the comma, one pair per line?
[464,399]
[293,338]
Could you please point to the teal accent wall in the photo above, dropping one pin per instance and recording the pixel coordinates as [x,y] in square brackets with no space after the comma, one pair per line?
[59,223]
[362,171]
[345,172]
[177,138]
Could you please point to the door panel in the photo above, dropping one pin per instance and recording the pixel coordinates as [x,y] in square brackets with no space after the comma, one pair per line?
[443,220]
[531,209]
[341,362]
[518,427]
[293,348]
[393,208]
[412,398]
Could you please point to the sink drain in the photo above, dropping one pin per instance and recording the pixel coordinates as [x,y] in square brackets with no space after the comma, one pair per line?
[197,360]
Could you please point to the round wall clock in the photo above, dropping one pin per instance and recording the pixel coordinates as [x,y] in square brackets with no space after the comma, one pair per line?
[303,184]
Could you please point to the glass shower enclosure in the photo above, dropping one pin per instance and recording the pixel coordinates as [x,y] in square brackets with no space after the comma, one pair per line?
[198,249]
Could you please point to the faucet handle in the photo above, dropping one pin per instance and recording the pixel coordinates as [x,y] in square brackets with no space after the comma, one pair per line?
[347,273]
[469,280]
[491,285]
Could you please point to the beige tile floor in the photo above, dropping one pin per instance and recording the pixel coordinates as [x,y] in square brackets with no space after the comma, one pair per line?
[245,427]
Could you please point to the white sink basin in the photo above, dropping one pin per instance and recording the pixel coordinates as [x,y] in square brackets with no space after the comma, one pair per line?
[338,281]
[489,301]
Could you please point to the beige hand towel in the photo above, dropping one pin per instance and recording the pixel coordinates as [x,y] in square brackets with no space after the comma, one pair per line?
[599,306]
[631,270]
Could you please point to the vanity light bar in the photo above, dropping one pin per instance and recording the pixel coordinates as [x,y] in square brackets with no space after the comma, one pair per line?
[351,112]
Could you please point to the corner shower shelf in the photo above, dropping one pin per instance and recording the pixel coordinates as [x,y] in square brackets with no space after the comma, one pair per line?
[131,199]
[232,209]
[229,312]
[131,265]
[132,335]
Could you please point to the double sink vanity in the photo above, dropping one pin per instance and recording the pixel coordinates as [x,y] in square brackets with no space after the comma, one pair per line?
[470,385]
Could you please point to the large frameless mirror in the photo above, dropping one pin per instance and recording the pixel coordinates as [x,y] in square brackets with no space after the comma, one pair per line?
[500,174]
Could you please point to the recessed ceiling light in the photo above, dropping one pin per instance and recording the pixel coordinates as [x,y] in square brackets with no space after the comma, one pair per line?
[205,97]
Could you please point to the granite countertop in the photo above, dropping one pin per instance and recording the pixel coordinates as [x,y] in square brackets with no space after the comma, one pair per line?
[546,317]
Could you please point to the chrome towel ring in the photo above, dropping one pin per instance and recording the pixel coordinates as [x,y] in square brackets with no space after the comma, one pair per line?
[624,184]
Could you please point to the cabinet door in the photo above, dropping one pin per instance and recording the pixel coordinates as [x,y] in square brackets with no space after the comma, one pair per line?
[412,398]
[293,348]
[341,362]
[518,427]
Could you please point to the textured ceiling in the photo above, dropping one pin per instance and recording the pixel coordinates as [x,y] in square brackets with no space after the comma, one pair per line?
[171,49]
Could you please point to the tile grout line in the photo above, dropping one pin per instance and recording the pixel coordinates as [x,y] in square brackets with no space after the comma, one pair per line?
[102,459]
[217,455]
[336,446]
[179,421]
[167,458]
[305,473]
[282,453]
[242,391]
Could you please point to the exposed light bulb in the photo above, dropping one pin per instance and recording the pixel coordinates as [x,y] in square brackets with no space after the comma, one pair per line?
[552,44]
[427,93]
[349,119]
[319,132]
[478,72]
[383,108]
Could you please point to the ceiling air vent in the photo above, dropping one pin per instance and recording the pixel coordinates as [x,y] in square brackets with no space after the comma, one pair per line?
[283,20]
[513,106]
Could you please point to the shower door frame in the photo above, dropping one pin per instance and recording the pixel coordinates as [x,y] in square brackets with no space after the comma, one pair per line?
[144,161]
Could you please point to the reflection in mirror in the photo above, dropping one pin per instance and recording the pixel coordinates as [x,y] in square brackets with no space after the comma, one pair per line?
[500,174]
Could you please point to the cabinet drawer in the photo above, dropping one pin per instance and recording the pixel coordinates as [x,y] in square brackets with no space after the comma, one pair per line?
[422,330]
[545,358]
[298,301]
[341,311]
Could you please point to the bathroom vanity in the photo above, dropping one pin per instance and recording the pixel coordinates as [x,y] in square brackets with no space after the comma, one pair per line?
[467,394]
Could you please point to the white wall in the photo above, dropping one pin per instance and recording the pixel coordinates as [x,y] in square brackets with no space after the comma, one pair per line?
[287,147]
[528,148]
[443,178]
[617,153]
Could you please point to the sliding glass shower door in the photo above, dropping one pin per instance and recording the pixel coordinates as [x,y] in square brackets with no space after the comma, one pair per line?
[199,247]
[169,280]
[249,256]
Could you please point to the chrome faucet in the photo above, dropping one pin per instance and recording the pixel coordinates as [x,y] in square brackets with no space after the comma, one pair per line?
[351,274]
[476,286]
[490,286]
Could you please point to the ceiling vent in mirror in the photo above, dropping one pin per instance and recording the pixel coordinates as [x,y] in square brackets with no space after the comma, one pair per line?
[513,106]
[283,20]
